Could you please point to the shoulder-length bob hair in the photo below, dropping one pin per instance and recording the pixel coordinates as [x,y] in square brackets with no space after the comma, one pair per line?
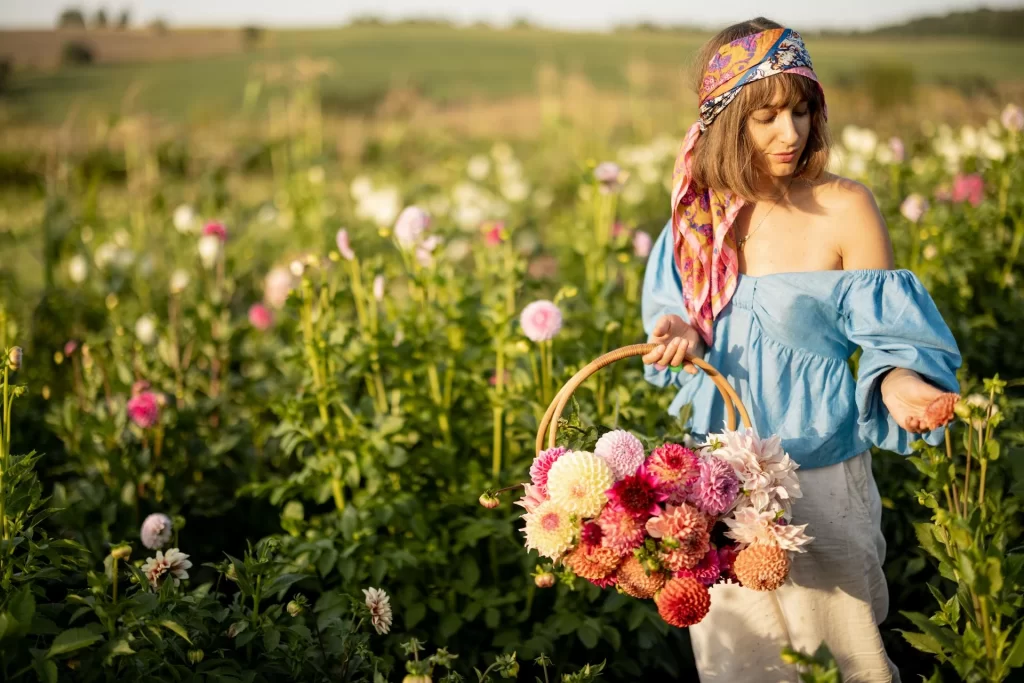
[724,156]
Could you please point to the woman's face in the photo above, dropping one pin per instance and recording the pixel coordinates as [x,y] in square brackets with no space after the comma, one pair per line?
[780,132]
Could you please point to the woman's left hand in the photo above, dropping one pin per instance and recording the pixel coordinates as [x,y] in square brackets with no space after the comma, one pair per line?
[914,404]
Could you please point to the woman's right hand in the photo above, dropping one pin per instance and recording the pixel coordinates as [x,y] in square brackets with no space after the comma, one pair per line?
[675,338]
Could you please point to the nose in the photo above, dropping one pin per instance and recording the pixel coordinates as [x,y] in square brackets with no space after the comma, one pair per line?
[786,128]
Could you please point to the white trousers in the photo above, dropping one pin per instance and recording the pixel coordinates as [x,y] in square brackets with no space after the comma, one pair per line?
[836,592]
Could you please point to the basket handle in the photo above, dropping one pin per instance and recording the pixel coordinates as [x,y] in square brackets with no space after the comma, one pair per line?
[549,423]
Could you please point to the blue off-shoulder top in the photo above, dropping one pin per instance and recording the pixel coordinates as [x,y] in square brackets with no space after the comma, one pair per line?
[783,342]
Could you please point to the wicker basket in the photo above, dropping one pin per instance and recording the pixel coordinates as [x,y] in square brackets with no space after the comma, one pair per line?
[549,423]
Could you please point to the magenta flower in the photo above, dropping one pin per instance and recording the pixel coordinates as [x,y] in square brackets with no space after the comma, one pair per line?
[540,320]
[260,317]
[591,534]
[968,188]
[70,347]
[716,488]
[494,233]
[707,570]
[343,245]
[542,465]
[410,226]
[217,230]
[144,409]
[641,244]
[638,494]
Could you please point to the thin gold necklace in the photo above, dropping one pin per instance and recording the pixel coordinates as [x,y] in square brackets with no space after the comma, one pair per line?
[740,244]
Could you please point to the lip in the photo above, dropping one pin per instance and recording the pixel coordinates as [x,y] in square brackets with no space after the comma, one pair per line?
[785,158]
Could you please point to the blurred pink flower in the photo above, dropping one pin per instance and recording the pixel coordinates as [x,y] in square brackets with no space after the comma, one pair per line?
[425,251]
[541,320]
[543,267]
[942,193]
[619,228]
[969,188]
[609,176]
[1012,118]
[139,386]
[343,245]
[156,530]
[641,244]
[410,226]
[277,286]
[70,347]
[899,152]
[217,230]
[144,409]
[494,379]
[913,207]
[260,317]
[494,233]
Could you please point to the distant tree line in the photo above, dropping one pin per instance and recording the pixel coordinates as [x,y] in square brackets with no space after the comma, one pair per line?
[74,17]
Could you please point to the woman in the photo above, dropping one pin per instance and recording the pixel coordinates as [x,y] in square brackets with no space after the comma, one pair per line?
[775,271]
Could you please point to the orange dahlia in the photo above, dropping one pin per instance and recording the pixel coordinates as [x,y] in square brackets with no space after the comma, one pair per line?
[634,579]
[683,602]
[592,561]
[762,567]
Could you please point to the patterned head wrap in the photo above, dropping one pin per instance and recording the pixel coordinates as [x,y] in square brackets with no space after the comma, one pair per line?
[702,218]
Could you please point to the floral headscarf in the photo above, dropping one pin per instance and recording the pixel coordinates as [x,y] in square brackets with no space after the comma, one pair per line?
[702,218]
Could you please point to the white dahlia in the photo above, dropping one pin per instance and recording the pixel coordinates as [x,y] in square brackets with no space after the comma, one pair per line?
[549,530]
[766,472]
[577,483]
[749,527]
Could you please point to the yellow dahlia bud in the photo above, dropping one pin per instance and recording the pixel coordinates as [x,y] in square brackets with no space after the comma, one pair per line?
[488,501]
[14,357]
[545,580]
[121,552]
[762,567]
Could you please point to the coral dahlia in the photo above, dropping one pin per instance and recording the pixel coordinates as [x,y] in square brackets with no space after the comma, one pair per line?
[577,482]
[762,567]
[674,466]
[592,561]
[677,521]
[634,580]
[548,530]
[638,494]
[620,530]
[683,602]
[622,451]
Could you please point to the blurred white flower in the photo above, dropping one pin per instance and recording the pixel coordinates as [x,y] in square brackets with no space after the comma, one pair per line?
[425,251]
[156,530]
[990,147]
[856,165]
[897,149]
[184,219]
[641,244]
[543,198]
[501,152]
[457,250]
[267,214]
[315,175]
[836,160]
[633,193]
[276,287]
[380,206]
[209,249]
[1012,118]
[297,268]
[78,269]
[124,258]
[913,207]
[968,140]
[145,330]
[410,226]
[930,252]
[378,288]
[179,281]
[862,141]
[478,167]
[104,254]
[361,187]
[122,238]
[515,190]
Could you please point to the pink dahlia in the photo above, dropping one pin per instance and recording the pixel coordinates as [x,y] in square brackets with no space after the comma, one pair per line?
[144,409]
[968,188]
[540,320]
[260,317]
[716,489]
[726,560]
[605,582]
[675,467]
[622,451]
[707,570]
[542,465]
[637,494]
[217,230]
[591,534]
[620,530]
[533,496]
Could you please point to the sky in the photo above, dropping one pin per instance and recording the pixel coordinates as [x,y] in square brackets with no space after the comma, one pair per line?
[568,14]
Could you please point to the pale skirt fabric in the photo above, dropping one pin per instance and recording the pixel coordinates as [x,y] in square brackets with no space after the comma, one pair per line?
[836,592]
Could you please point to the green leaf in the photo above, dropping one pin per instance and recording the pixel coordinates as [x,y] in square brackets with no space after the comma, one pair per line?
[941,635]
[589,636]
[46,670]
[927,540]
[992,449]
[71,640]
[1015,657]
[415,614]
[177,628]
[923,642]
[271,639]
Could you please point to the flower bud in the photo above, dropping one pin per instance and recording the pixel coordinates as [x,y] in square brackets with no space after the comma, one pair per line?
[14,357]
[195,656]
[294,608]
[544,580]
[488,501]
[121,552]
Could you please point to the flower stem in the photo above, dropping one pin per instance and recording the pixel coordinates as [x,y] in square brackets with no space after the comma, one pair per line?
[967,475]
[338,492]
[5,446]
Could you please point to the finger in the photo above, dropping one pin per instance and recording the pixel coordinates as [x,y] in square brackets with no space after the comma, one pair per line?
[680,354]
[654,355]
[661,327]
[670,350]
[690,368]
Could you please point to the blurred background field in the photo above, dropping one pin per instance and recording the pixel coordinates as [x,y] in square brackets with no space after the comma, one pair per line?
[207,217]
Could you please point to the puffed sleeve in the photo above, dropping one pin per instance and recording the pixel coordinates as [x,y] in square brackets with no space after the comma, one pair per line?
[662,295]
[892,317]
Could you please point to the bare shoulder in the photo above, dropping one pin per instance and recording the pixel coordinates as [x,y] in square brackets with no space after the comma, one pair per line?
[861,234]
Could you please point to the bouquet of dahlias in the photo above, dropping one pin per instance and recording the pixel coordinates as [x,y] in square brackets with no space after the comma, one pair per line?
[669,524]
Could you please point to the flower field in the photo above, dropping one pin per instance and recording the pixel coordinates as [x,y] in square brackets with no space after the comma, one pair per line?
[258,393]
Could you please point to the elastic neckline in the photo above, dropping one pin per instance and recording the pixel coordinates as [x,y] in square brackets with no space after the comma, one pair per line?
[852,271]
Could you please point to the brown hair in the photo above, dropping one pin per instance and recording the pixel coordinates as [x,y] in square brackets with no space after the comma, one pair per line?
[724,157]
